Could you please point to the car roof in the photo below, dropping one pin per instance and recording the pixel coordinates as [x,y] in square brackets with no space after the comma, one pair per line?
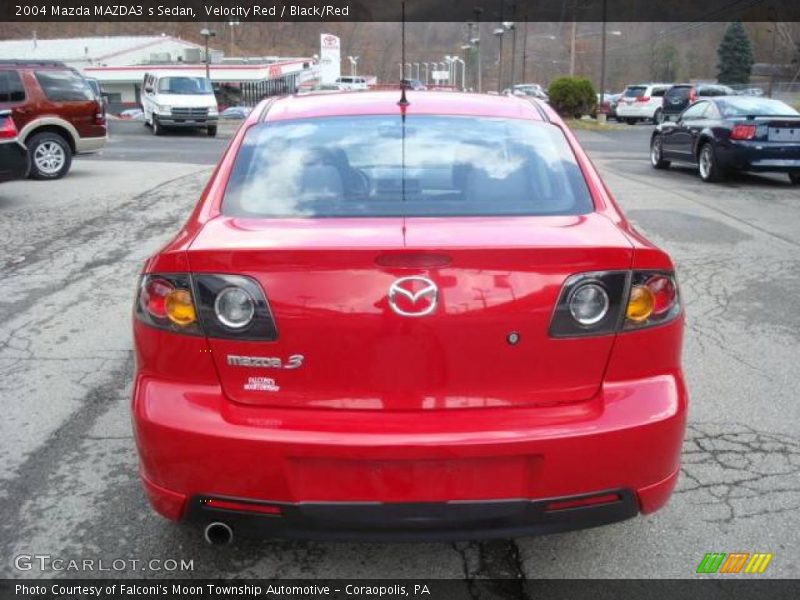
[386,102]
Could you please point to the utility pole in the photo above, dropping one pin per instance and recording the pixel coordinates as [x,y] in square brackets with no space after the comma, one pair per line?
[513,42]
[772,60]
[601,109]
[572,38]
[524,48]
[478,12]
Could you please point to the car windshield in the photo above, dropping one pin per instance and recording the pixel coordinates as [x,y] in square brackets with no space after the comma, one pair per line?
[426,166]
[635,91]
[185,85]
[753,106]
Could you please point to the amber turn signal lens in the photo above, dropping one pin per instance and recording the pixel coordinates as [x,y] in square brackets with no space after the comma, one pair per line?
[179,307]
[641,304]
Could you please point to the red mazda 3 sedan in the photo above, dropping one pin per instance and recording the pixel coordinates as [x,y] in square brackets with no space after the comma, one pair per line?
[407,318]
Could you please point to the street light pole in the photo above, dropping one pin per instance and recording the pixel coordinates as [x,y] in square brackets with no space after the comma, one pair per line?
[208,33]
[601,109]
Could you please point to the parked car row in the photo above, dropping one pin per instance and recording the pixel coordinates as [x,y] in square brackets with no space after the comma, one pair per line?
[52,111]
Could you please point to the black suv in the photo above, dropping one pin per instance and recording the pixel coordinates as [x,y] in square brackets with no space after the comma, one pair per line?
[681,95]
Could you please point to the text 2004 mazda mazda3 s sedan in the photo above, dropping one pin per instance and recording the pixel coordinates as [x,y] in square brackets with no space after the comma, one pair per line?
[421,320]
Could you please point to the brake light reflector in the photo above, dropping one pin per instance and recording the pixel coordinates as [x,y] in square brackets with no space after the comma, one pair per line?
[643,99]
[579,502]
[743,132]
[264,509]
[663,293]
[154,296]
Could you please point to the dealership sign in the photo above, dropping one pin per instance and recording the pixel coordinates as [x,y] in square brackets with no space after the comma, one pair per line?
[330,59]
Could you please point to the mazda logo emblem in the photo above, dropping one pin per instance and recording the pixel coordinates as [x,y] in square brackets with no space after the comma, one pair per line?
[420,293]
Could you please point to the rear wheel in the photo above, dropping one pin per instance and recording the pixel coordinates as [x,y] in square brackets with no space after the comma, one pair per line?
[50,156]
[658,117]
[794,178]
[708,166]
[630,121]
[211,130]
[656,154]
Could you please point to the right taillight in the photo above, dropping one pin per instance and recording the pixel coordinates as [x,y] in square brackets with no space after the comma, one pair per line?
[652,299]
[603,302]
[8,130]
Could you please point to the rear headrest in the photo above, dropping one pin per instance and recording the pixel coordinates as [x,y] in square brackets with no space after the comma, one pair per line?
[321,180]
[480,186]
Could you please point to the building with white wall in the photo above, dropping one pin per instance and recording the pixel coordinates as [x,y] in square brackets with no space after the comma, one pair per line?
[120,62]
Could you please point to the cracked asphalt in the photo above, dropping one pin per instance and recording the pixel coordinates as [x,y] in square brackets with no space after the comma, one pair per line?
[70,252]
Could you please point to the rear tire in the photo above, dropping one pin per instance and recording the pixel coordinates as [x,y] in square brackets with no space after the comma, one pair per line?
[211,131]
[656,154]
[658,117]
[630,121]
[794,178]
[707,164]
[50,156]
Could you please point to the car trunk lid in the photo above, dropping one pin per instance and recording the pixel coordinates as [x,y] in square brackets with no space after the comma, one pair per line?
[328,284]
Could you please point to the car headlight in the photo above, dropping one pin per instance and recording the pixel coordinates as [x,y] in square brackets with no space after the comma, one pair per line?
[163,109]
[213,110]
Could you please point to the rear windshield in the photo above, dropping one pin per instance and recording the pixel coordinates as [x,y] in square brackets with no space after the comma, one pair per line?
[64,86]
[634,91]
[428,166]
[752,106]
[679,91]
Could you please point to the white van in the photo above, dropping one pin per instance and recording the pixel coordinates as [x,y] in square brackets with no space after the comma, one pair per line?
[351,82]
[172,99]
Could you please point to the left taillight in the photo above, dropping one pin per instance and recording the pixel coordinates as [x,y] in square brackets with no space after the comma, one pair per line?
[215,305]
[743,132]
[165,300]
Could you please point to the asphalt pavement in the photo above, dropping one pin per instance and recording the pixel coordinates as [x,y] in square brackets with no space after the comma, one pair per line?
[70,253]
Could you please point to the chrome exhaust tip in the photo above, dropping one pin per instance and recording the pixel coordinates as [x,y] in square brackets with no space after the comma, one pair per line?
[218,534]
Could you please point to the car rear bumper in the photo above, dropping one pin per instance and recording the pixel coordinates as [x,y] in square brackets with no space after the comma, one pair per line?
[760,156]
[633,111]
[443,474]
[14,161]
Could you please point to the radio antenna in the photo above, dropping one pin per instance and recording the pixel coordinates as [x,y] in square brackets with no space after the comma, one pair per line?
[403,100]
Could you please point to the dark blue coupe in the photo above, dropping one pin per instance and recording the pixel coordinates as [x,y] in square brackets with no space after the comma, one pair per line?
[731,133]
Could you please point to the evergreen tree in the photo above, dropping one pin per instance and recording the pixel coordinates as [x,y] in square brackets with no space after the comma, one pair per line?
[734,55]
